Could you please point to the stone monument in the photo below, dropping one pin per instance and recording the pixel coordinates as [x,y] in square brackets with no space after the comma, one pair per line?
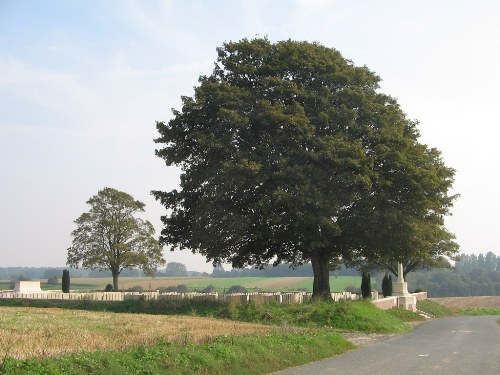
[27,287]
[400,290]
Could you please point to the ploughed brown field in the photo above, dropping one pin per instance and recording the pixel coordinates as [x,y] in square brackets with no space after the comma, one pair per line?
[27,332]
[476,302]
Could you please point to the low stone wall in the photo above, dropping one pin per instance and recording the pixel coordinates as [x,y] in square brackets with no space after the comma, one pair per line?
[393,301]
[386,303]
[420,296]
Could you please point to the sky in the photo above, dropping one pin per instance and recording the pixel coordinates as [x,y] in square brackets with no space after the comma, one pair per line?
[82,84]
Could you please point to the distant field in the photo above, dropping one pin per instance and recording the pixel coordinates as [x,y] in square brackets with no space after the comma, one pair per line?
[475,302]
[337,284]
[252,283]
[35,332]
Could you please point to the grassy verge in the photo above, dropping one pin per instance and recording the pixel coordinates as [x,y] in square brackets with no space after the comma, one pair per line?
[435,309]
[405,315]
[223,355]
[478,312]
[360,316]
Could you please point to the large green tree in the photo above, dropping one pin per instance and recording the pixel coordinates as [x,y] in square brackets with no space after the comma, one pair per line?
[110,237]
[289,153]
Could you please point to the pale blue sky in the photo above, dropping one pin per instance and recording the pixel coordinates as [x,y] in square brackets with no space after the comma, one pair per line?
[83,82]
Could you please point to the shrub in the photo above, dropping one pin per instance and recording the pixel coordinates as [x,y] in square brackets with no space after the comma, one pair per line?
[366,287]
[387,285]
[108,288]
[236,289]
[352,289]
[136,288]
[182,288]
[209,289]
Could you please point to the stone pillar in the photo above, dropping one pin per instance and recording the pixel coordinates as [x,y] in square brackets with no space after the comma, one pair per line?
[400,287]
[400,290]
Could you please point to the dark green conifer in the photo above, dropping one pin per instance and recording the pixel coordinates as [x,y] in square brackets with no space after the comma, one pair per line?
[366,288]
[65,281]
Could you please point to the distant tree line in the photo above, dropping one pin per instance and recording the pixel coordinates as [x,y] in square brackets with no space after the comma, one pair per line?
[473,275]
[11,273]
[282,270]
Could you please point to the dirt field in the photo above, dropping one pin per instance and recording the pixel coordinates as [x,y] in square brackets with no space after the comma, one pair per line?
[479,302]
[33,332]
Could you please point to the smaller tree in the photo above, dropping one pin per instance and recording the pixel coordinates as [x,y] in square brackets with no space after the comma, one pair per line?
[53,280]
[110,237]
[65,281]
[387,285]
[366,286]
[176,269]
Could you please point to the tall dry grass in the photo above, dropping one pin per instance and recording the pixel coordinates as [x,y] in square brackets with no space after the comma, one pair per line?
[37,333]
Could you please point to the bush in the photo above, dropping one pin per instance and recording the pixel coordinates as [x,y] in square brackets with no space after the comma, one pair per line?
[352,289]
[236,289]
[182,288]
[209,289]
[136,288]
[108,288]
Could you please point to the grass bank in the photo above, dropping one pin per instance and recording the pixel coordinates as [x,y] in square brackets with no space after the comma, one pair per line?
[258,353]
[246,355]
[361,316]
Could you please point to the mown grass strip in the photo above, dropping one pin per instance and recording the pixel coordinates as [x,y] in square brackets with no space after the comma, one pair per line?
[245,355]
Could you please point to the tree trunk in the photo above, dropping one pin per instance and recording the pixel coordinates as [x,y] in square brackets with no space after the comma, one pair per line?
[115,280]
[321,268]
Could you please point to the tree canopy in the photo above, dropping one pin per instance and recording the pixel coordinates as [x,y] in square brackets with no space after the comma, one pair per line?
[176,269]
[289,154]
[110,237]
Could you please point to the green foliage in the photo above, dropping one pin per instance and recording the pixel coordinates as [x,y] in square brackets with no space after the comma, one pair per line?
[289,153]
[136,288]
[108,288]
[435,309]
[478,312]
[366,287]
[245,355]
[209,289]
[181,288]
[175,269]
[405,315]
[387,285]
[110,237]
[66,281]
[236,289]
[459,282]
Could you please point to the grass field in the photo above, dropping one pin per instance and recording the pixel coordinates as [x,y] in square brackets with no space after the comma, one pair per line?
[177,337]
[337,284]
[34,332]
[272,284]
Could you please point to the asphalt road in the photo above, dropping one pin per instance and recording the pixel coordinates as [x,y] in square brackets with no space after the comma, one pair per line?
[464,345]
